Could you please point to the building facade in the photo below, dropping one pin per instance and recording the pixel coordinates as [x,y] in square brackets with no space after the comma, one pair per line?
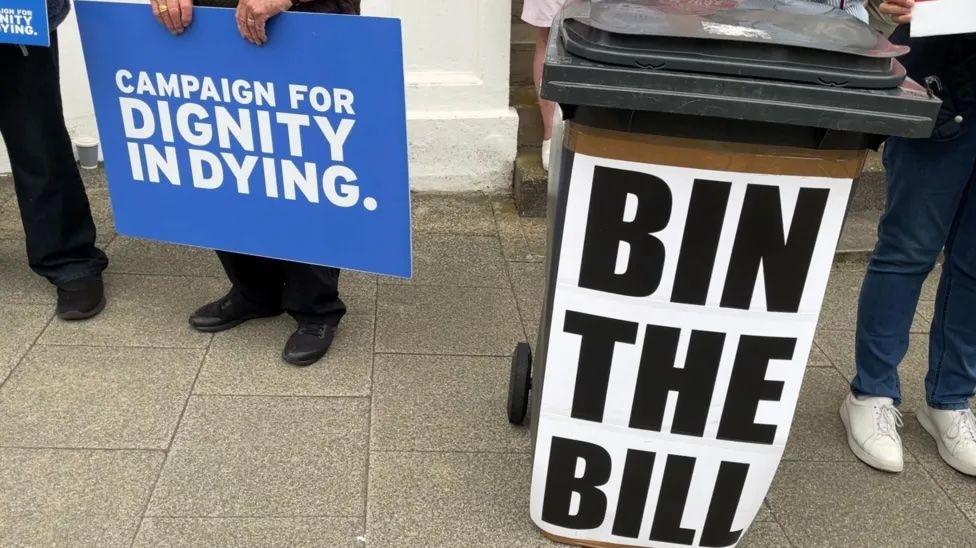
[462,131]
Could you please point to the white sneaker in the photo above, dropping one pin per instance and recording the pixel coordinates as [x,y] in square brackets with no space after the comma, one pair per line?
[546,150]
[955,434]
[872,432]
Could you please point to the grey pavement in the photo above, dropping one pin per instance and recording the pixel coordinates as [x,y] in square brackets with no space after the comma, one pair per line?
[133,430]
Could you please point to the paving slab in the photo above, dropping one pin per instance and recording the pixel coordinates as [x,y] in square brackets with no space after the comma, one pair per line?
[931,286]
[860,233]
[850,504]
[20,325]
[247,361]
[523,239]
[73,498]
[358,291]
[450,500]
[7,192]
[147,311]
[468,213]
[66,396]
[764,534]
[447,320]
[266,457]
[960,488]
[458,260]
[818,358]
[926,309]
[765,514]
[18,284]
[839,346]
[443,403]
[528,281]
[132,256]
[247,532]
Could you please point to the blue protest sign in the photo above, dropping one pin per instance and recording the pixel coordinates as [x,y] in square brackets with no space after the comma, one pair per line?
[293,150]
[24,22]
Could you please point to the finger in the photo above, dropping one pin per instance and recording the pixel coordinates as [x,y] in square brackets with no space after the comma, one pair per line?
[239,17]
[242,26]
[895,10]
[162,9]
[175,14]
[252,29]
[172,15]
[903,19]
[156,14]
[186,12]
[261,28]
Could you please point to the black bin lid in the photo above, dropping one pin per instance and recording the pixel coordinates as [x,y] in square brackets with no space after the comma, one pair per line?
[789,62]
[791,40]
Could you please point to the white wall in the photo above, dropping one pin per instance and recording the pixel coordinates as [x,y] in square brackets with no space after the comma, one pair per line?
[462,131]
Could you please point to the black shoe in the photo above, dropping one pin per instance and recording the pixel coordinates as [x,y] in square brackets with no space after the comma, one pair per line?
[230,311]
[81,299]
[308,344]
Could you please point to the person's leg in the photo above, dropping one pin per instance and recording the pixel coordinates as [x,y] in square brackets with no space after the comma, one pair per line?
[258,280]
[951,380]
[255,293]
[547,108]
[312,297]
[311,294]
[54,209]
[926,182]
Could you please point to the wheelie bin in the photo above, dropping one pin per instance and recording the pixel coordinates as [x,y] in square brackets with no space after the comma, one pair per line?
[695,205]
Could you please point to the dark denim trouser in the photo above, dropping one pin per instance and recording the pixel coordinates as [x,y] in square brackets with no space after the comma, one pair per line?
[931,206]
[54,209]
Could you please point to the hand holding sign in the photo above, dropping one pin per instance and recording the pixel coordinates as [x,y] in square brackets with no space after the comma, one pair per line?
[175,15]
[253,15]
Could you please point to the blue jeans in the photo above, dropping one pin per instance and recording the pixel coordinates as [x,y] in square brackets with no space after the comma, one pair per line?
[931,207]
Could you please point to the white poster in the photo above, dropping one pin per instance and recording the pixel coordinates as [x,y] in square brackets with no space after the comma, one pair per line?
[685,308]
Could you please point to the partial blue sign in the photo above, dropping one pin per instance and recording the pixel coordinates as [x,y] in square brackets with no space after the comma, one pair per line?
[24,22]
[294,150]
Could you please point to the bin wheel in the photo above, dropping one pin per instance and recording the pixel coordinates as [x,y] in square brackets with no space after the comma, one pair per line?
[519,384]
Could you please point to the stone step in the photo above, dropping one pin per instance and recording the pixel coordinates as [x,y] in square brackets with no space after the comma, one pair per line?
[869,190]
[529,183]
[523,33]
[530,125]
[859,235]
[522,95]
[521,64]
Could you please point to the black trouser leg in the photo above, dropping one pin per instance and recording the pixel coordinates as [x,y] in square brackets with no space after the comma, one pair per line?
[260,281]
[306,292]
[54,209]
[312,293]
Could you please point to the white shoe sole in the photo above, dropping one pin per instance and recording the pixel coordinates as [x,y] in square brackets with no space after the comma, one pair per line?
[859,452]
[948,457]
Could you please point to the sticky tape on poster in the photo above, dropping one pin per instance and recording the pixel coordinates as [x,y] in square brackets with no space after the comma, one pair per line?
[684,311]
